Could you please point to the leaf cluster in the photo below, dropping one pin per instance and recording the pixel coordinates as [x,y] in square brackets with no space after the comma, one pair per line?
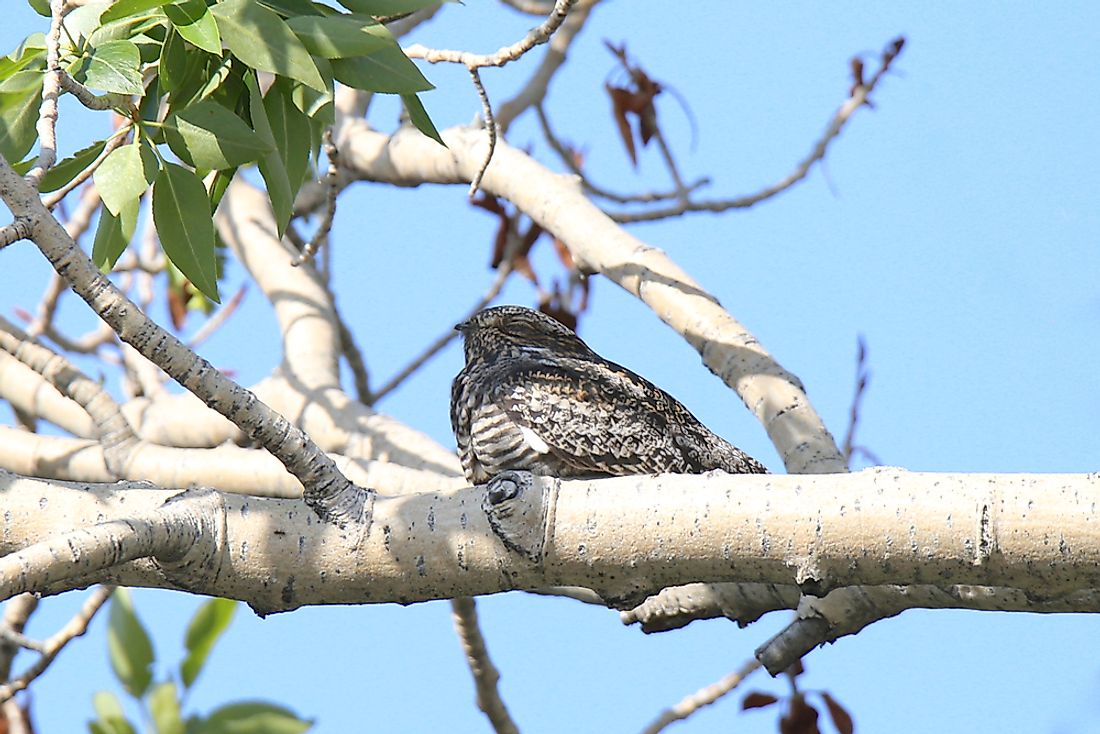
[132,657]
[204,88]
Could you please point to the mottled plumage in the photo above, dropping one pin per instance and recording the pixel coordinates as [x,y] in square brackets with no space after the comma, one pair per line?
[533,396]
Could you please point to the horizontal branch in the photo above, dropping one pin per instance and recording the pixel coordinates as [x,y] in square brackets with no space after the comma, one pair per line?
[624,538]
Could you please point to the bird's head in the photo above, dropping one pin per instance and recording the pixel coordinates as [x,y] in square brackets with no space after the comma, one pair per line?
[515,330]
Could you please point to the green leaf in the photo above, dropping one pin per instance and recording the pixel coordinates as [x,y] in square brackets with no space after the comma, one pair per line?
[19,115]
[164,705]
[32,49]
[209,136]
[113,234]
[79,26]
[208,624]
[66,170]
[124,175]
[111,718]
[291,131]
[181,212]
[272,166]
[123,8]
[383,8]
[42,7]
[419,117]
[387,70]
[128,644]
[337,36]
[219,184]
[254,718]
[291,8]
[195,23]
[178,64]
[114,66]
[260,38]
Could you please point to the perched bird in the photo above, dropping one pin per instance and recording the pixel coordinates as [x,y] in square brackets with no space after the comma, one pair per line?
[534,397]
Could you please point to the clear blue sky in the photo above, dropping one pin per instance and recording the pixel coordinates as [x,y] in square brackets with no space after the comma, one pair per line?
[957,229]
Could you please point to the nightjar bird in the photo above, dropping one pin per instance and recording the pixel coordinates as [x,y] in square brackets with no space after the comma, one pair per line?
[534,397]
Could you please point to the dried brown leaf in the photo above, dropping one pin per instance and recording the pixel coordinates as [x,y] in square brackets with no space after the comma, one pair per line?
[757,700]
[841,719]
[177,306]
[801,718]
[620,101]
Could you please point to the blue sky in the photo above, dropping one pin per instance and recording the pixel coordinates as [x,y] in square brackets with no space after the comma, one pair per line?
[957,229]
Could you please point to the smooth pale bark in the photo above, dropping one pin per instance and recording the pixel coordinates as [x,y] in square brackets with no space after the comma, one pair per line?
[621,537]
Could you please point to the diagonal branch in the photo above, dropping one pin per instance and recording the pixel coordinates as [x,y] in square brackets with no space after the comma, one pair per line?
[328,492]
[481,665]
[858,97]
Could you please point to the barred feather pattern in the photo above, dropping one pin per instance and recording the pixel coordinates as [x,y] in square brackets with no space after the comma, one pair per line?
[533,396]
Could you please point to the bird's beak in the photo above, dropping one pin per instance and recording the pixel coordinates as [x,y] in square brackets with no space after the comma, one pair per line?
[461,326]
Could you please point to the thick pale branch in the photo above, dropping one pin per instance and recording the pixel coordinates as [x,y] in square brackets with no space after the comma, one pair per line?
[620,537]
[600,245]
[226,468]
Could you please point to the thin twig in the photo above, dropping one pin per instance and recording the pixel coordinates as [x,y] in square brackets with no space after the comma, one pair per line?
[568,159]
[75,627]
[534,91]
[503,272]
[703,697]
[16,613]
[481,665]
[113,142]
[93,101]
[859,96]
[332,188]
[531,7]
[8,635]
[51,89]
[538,35]
[863,379]
[682,191]
[219,318]
[490,127]
[112,429]
[354,357]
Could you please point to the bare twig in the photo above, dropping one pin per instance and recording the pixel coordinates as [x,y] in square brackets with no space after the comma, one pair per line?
[485,673]
[682,191]
[219,318]
[859,96]
[93,101]
[20,229]
[569,160]
[75,627]
[115,141]
[354,357]
[490,128]
[51,89]
[703,697]
[538,35]
[112,429]
[332,188]
[531,7]
[534,91]
[16,613]
[863,378]
[444,339]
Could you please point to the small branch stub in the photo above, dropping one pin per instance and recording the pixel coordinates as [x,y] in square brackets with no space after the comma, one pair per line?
[518,510]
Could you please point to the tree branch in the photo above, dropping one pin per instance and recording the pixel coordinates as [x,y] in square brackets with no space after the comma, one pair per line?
[1032,533]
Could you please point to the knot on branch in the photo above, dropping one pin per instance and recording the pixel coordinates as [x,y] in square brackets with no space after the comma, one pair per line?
[518,509]
[200,514]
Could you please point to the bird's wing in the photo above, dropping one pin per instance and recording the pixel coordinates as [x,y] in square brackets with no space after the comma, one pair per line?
[596,418]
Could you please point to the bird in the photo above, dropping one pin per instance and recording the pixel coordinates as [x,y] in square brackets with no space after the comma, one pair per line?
[533,396]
